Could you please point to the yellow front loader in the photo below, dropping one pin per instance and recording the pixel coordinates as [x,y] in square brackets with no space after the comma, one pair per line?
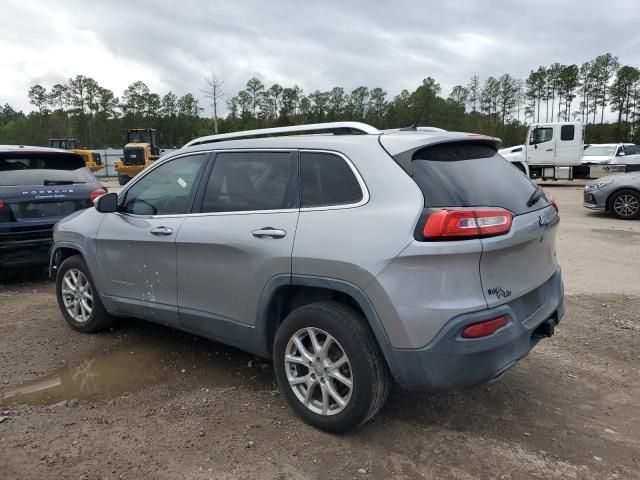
[92,159]
[140,151]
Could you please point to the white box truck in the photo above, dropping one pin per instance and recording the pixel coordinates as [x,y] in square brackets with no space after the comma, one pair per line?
[554,151]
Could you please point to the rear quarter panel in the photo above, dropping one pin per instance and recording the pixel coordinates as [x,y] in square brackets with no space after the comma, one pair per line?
[355,244]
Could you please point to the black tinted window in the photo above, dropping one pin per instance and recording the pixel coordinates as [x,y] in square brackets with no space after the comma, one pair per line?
[33,168]
[567,132]
[326,179]
[467,175]
[165,190]
[245,181]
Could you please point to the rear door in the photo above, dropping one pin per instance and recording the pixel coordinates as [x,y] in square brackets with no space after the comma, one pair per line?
[467,176]
[242,237]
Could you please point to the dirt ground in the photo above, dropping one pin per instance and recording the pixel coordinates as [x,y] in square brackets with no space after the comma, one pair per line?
[143,401]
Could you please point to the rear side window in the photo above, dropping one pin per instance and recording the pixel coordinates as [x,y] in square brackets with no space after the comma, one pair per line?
[468,175]
[567,132]
[247,181]
[327,180]
[33,168]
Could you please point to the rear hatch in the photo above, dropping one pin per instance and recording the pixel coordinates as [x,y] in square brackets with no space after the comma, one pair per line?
[39,188]
[472,192]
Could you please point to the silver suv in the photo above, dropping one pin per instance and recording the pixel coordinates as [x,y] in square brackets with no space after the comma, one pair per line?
[350,256]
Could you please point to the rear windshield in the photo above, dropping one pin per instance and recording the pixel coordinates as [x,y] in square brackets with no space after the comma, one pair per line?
[468,175]
[42,169]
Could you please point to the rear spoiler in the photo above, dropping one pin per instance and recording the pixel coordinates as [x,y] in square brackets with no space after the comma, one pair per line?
[405,158]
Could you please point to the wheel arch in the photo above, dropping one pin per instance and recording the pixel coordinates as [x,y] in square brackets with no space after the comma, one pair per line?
[284,293]
[60,252]
[618,189]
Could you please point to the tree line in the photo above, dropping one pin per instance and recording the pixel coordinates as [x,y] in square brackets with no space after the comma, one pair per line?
[500,106]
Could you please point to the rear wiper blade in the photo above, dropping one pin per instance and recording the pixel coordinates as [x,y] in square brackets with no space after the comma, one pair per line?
[535,196]
[58,182]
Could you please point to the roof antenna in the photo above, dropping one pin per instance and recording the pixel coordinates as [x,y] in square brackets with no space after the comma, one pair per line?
[414,126]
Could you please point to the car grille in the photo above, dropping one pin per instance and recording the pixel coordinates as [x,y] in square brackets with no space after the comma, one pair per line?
[133,156]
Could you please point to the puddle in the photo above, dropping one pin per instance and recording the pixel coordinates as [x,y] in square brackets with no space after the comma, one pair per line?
[106,376]
[101,376]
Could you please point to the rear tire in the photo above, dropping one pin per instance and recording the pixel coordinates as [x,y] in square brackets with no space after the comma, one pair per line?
[123,179]
[341,397]
[625,204]
[78,298]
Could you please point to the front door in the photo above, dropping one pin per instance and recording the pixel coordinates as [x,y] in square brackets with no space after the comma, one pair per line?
[242,238]
[137,245]
[541,146]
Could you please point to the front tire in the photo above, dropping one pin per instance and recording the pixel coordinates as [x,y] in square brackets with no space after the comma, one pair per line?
[625,204]
[123,179]
[329,366]
[78,299]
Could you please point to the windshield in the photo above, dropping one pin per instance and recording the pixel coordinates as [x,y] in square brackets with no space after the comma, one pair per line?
[600,150]
[139,137]
[34,168]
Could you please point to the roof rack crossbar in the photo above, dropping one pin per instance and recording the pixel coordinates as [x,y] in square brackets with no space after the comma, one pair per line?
[330,127]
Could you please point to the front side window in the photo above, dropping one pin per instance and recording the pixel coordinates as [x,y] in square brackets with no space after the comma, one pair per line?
[250,181]
[327,180]
[167,189]
[541,135]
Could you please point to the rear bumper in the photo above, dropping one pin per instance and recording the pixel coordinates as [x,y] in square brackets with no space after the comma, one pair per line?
[450,362]
[23,253]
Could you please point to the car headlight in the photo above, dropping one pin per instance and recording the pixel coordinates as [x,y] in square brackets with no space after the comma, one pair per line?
[597,185]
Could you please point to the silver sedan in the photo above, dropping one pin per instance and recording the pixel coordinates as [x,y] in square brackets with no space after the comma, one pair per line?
[615,194]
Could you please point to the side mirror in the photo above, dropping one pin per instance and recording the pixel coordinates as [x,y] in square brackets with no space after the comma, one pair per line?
[107,203]
[621,154]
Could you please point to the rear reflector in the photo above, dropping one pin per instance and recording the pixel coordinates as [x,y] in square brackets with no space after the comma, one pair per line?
[484,329]
[95,194]
[467,223]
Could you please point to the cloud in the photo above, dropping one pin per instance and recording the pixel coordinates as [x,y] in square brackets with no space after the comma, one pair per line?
[317,45]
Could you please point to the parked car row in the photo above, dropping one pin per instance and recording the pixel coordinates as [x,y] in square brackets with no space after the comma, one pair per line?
[611,154]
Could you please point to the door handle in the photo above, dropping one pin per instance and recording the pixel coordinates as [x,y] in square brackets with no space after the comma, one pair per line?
[549,150]
[269,232]
[162,231]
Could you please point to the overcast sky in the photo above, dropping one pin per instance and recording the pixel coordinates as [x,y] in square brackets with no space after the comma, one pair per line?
[392,44]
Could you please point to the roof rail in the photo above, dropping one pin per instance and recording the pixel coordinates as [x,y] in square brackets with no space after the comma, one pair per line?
[336,128]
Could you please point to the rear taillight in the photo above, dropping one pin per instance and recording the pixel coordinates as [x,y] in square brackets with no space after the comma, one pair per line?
[484,329]
[95,194]
[552,201]
[467,223]
[1,203]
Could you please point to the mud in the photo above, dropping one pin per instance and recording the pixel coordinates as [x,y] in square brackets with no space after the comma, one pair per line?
[84,406]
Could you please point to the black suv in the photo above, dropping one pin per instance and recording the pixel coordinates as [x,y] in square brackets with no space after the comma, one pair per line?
[38,187]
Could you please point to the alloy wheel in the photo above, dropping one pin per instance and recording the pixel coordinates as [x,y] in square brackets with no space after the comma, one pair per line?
[77,295]
[318,371]
[626,205]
